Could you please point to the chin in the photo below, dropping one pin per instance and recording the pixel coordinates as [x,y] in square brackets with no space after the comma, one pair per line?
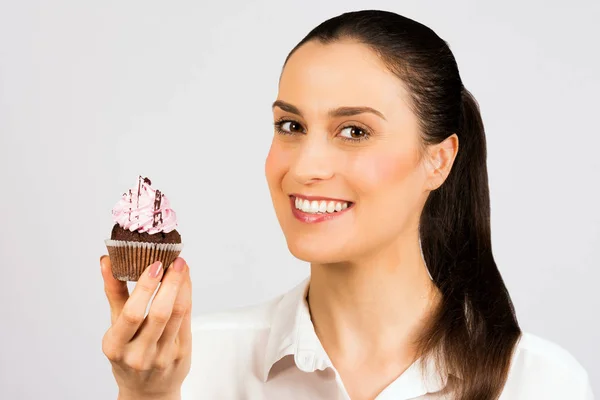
[315,252]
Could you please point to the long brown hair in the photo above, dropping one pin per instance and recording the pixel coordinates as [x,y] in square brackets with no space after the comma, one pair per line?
[474,331]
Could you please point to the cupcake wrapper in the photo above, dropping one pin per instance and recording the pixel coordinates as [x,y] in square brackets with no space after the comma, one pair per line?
[130,259]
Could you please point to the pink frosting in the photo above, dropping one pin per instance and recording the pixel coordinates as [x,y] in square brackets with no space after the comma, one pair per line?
[144,209]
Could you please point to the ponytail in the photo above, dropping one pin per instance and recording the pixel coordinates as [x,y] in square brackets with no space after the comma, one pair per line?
[475,329]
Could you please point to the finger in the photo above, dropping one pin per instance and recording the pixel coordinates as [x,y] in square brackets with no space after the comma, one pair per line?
[182,305]
[184,335]
[132,316]
[115,290]
[161,309]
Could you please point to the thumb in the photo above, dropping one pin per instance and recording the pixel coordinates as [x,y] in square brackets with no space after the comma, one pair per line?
[116,291]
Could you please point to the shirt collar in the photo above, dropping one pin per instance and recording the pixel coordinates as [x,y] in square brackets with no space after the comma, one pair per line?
[292,333]
[420,378]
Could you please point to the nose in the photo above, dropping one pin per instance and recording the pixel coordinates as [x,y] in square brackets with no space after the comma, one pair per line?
[313,161]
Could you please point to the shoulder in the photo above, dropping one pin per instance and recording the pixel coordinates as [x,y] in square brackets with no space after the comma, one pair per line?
[546,351]
[243,322]
[541,367]
[228,345]
[254,317]
[230,348]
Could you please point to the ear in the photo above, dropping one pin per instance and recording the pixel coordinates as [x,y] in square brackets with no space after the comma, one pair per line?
[441,156]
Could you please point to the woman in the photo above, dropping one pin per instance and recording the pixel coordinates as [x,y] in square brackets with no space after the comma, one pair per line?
[377,172]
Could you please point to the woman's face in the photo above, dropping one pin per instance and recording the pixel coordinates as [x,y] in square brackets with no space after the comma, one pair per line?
[344,171]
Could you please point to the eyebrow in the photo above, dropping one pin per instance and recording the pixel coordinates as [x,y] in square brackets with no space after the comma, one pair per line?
[336,112]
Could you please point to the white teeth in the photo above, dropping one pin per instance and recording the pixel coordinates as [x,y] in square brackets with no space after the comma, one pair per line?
[330,207]
[314,206]
[305,206]
[322,207]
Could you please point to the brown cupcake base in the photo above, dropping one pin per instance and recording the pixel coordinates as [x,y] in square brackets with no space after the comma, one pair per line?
[129,259]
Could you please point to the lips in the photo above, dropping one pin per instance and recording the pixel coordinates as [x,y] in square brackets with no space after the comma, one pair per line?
[312,209]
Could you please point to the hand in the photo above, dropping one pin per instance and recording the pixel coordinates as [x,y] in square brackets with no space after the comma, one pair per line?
[150,356]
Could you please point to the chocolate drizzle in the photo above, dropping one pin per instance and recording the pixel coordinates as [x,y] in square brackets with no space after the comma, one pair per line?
[157,213]
[139,193]
[144,183]
[130,201]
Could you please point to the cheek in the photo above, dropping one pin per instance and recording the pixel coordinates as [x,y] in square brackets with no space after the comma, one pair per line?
[275,164]
[383,172]
[387,189]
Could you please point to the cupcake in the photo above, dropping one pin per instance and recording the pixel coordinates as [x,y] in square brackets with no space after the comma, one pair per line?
[144,232]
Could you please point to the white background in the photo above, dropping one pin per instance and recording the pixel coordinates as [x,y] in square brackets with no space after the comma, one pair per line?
[94,93]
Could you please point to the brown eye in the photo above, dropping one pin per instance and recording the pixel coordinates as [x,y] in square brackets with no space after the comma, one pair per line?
[353,132]
[291,126]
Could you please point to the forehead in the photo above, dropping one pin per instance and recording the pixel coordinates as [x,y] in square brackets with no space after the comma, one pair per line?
[342,73]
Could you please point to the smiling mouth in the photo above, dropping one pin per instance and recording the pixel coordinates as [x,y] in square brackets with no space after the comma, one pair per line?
[320,206]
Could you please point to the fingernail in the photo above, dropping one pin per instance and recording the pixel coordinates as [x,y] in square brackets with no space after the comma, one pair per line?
[155,269]
[179,264]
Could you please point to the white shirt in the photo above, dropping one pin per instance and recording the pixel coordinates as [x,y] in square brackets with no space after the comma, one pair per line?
[271,351]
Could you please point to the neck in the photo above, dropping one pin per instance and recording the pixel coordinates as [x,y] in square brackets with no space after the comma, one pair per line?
[378,305]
